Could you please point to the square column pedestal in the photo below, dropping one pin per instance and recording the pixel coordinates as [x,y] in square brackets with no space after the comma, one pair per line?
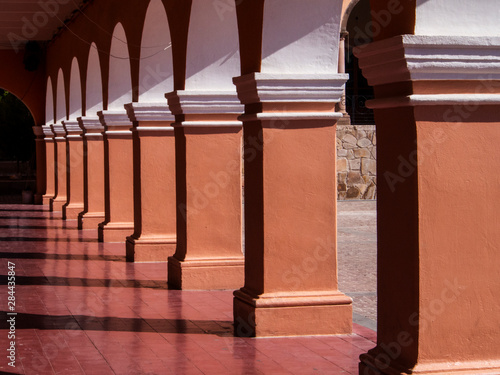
[60,198]
[50,162]
[75,165]
[94,192]
[119,177]
[290,207]
[438,258]
[154,238]
[209,198]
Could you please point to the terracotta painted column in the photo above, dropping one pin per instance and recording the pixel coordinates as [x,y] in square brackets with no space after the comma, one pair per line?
[438,130]
[290,208]
[154,237]
[290,87]
[75,163]
[208,147]
[50,157]
[93,212]
[41,162]
[60,197]
[208,171]
[119,181]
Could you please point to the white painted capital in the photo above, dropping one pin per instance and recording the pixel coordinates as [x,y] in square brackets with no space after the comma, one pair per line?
[416,57]
[91,126]
[412,58]
[73,130]
[290,88]
[149,112]
[59,131]
[48,133]
[115,122]
[204,102]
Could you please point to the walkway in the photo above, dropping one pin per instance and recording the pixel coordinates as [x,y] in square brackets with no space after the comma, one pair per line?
[81,309]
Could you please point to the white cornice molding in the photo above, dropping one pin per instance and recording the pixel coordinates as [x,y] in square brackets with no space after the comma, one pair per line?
[59,131]
[290,88]
[73,129]
[149,112]
[48,133]
[418,57]
[90,123]
[110,119]
[212,124]
[204,102]
[434,99]
[289,116]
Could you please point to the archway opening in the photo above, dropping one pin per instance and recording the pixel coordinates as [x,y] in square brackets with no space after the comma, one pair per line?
[17,150]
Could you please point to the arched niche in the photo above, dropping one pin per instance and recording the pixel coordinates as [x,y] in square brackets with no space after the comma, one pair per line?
[49,103]
[156,67]
[60,98]
[75,91]
[347,14]
[119,81]
[213,50]
[93,93]
[298,37]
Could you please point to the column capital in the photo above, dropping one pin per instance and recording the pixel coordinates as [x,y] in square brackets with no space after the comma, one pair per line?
[444,70]
[115,122]
[73,130]
[91,126]
[59,131]
[290,96]
[183,102]
[39,132]
[149,112]
[290,88]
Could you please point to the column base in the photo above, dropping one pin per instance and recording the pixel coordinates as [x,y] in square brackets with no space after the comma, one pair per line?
[90,220]
[206,274]
[291,314]
[71,211]
[114,232]
[150,249]
[46,199]
[56,204]
[381,363]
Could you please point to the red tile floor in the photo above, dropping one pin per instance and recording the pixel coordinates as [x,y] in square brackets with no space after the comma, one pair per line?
[81,309]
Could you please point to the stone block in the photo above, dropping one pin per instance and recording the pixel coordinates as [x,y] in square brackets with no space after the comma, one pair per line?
[341,165]
[350,140]
[342,153]
[362,153]
[355,164]
[368,166]
[364,142]
[354,177]
[353,193]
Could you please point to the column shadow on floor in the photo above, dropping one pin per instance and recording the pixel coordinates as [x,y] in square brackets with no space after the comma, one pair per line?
[70,281]
[93,323]
[46,256]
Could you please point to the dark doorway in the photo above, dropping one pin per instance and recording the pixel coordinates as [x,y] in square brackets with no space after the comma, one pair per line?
[17,151]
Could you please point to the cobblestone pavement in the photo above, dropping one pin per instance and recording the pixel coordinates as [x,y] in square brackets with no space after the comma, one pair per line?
[357,258]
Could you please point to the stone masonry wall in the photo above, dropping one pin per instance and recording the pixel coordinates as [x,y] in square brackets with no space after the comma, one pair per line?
[356,162]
